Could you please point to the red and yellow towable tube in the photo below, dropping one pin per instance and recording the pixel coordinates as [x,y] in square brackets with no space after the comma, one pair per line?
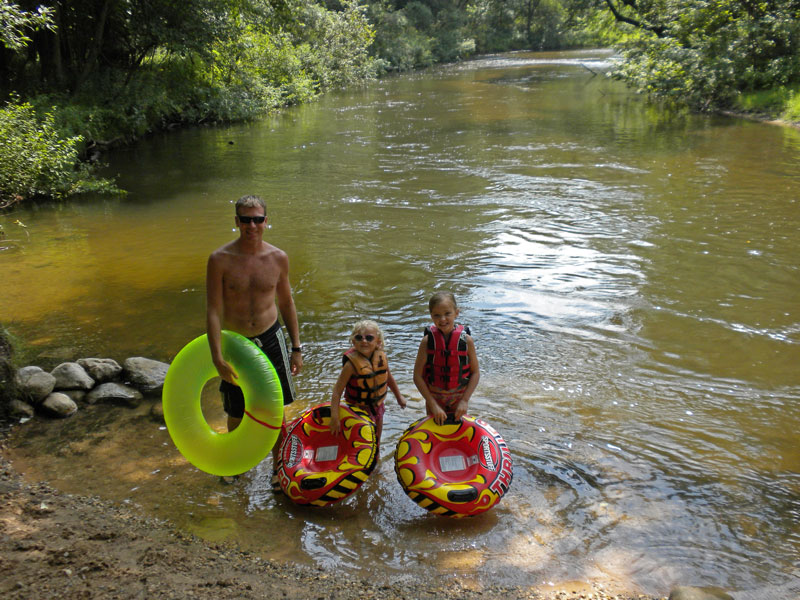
[458,469]
[319,468]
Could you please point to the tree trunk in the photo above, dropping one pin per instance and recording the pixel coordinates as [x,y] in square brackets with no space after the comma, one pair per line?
[90,63]
[58,64]
[530,10]
[47,50]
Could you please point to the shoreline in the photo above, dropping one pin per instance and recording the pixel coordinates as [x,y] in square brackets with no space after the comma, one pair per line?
[58,545]
[761,118]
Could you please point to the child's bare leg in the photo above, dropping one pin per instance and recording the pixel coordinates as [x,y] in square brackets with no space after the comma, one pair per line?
[378,431]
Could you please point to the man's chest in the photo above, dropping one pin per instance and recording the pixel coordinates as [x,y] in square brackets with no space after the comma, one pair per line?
[253,276]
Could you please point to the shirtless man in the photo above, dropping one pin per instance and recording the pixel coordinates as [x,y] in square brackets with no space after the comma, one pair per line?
[244,280]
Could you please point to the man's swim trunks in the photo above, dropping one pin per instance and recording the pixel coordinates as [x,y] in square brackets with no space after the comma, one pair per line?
[273,345]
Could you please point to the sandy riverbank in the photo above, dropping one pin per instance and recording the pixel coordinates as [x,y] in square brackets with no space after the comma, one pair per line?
[57,545]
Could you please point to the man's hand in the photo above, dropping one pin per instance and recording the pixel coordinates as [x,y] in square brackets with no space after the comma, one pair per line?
[226,372]
[296,363]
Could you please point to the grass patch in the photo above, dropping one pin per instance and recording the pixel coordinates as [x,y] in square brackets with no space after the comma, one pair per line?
[781,102]
[791,111]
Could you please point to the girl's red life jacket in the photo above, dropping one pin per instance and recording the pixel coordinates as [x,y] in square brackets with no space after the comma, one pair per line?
[368,385]
[447,367]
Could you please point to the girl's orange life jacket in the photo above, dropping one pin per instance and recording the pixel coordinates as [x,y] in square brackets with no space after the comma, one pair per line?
[368,385]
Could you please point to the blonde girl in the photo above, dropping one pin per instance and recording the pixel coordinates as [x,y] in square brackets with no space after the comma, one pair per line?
[365,377]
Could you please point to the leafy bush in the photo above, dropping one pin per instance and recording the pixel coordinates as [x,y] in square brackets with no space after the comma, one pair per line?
[36,161]
[151,65]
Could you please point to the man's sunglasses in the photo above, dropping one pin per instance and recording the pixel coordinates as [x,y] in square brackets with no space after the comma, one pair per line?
[248,220]
[358,337]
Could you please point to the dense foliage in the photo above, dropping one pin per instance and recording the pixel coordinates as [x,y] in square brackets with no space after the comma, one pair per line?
[418,33]
[15,24]
[709,52]
[110,70]
[224,58]
[97,72]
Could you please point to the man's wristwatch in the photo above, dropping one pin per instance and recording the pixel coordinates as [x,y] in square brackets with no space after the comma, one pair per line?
[297,348]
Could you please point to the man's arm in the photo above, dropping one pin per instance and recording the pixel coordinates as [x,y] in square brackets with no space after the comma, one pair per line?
[214,308]
[288,312]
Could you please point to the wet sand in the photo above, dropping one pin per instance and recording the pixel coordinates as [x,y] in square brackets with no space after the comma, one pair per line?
[58,545]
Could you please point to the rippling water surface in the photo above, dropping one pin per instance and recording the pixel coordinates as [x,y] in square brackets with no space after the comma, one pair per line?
[631,278]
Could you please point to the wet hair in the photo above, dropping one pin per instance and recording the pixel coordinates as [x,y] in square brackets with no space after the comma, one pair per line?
[440,297]
[367,324]
[250,202]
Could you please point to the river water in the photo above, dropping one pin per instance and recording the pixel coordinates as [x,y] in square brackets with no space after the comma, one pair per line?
[630,276]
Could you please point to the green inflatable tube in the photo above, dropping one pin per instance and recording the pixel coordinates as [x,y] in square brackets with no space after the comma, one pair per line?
[247,445]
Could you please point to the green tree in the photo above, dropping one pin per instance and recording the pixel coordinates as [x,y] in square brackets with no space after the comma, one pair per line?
[398,45]
[339,41]
[421,32]
[492,24]
[110,70]
[204,53]
[93,35]
[707,52]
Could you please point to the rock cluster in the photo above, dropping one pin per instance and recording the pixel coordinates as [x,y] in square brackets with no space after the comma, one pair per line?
[89,380]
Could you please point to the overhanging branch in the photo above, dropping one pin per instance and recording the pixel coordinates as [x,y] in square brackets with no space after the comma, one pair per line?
[657,29]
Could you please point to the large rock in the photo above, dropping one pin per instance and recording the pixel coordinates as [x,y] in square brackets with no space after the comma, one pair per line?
[145,374]
[115,393]
[59,405]
[72,376]
[101,369]
[34,383]
[687,592]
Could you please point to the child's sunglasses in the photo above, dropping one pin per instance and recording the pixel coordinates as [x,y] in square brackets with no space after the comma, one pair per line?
[248,220]
[358,337]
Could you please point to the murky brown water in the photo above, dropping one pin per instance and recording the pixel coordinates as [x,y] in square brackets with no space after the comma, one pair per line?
[631,278]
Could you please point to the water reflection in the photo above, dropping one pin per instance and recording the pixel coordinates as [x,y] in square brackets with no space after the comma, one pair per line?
[629,275]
